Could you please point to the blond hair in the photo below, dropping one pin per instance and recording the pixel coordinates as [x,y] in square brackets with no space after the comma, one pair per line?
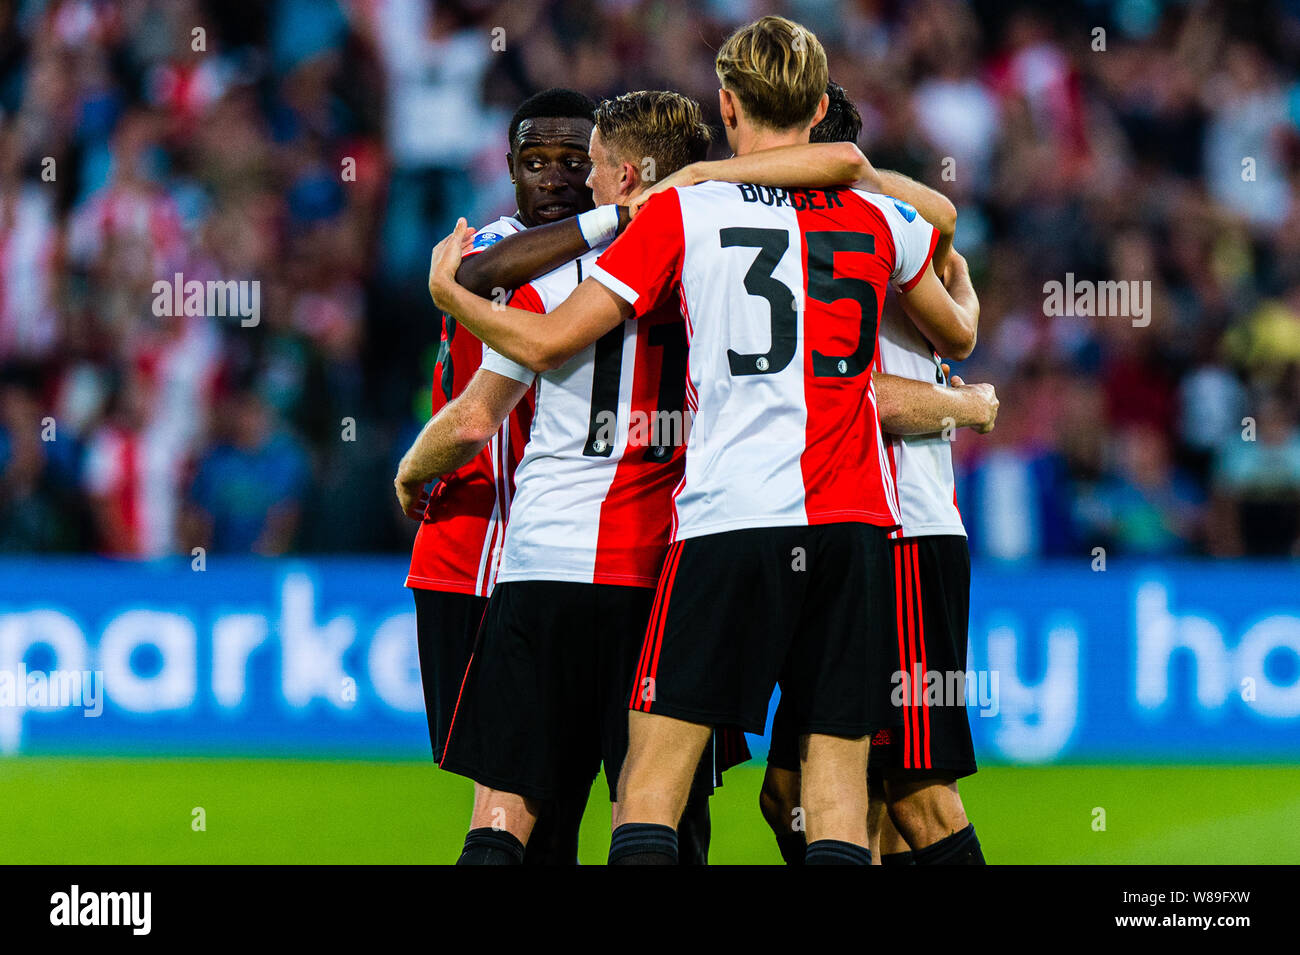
[777,69]
[659,125]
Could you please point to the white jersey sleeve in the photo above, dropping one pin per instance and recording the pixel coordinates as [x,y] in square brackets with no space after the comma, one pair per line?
[914,239]
[492,233]
[530,298]
[499,363]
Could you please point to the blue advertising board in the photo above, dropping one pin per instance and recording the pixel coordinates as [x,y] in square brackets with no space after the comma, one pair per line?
[1175,662]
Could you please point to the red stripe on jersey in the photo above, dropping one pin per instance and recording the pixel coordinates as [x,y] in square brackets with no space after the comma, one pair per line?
[892,475]
[636,514]
[653,269]
[842,459]
[911,283]
[692,406]
[458,524]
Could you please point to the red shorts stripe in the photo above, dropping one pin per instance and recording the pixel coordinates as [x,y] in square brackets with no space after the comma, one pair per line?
[655,626]
[914,750]
[920,623]
[446,744]
[902,652]
[653,672]
[456,709]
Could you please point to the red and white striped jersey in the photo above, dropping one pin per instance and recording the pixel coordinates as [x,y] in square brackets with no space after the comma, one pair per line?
[594,490]
[781,290]
[137,474]
[922,463]
[458,545]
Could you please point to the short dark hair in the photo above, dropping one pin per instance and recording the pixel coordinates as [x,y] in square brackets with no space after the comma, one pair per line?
[555,102]
[842,123]
[654,124]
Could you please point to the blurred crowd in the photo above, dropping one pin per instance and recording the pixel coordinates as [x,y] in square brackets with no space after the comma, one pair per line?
[320,147]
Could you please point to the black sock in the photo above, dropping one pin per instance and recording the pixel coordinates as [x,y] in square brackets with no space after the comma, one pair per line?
[695,830]
[897,858]
[643,843]
[490,846]
[960,848]
[554,839]
[793,846]
[835,852]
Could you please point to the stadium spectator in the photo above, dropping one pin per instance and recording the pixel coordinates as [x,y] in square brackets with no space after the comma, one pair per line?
[319,147]
[1257,486]
[247,492]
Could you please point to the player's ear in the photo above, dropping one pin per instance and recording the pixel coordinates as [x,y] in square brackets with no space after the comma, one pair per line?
[510,164]
[629,179]
[822,106]
[727,107]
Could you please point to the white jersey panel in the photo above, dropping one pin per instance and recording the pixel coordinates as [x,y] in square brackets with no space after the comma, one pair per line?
[922,463]
[555,522]
[743,464]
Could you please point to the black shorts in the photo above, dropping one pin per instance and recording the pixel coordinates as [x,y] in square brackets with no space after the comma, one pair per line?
[545,697]
[930,731]
[446,625]
[737,612]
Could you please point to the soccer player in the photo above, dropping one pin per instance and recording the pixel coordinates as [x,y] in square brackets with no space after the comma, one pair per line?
[914,766]
[779,567]
[544,700]
[457,548]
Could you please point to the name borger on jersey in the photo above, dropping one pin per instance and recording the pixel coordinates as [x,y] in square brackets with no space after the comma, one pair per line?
[782,293]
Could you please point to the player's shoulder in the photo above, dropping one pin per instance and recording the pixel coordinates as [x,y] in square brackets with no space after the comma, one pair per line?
[710,191]
[556,285]
[680,199]
[495,231]
[892,208]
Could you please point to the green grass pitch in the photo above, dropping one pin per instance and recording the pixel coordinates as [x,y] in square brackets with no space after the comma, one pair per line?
[86,811]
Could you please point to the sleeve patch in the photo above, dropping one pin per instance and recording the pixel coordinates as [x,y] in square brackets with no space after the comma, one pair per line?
[483,239]
[905,209]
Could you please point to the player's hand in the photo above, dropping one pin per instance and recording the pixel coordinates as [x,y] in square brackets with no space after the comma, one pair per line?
[869,178]
[444,262]
[688,175]
[954,269]
[411,497]
[986,399]
[467,246]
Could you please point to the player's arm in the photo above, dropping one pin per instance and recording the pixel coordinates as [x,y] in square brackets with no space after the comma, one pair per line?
[538,342]
[947,313]
[934,207]
[523,256]
[920,407]
[819,165]
[454,435]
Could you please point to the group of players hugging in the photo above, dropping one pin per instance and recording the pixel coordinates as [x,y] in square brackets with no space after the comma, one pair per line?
[682,454]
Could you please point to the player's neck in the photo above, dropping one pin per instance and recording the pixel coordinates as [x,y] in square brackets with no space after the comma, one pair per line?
[754,138]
